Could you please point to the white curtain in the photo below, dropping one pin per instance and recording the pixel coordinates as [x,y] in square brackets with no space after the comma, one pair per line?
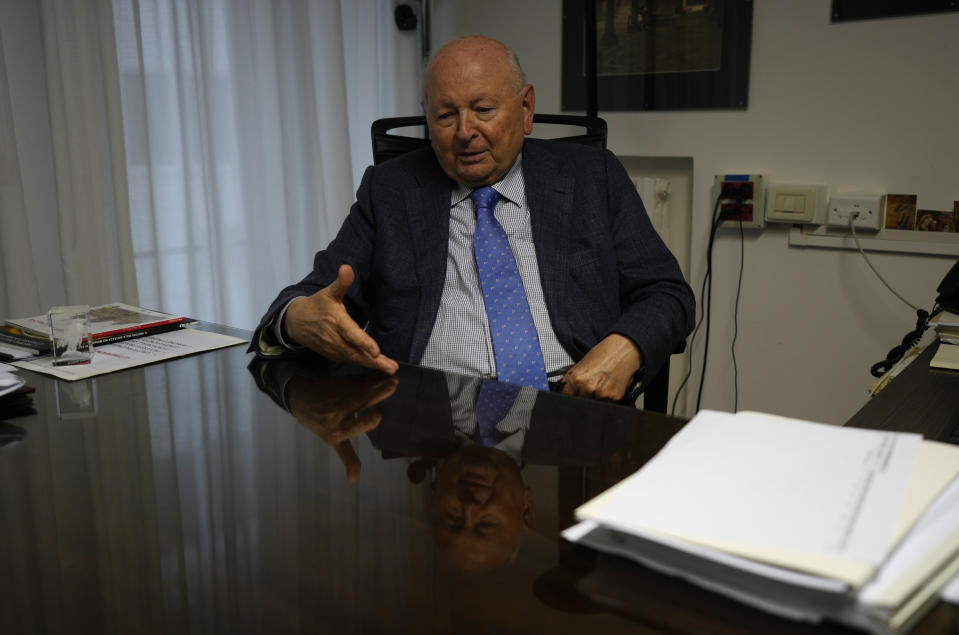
[186,155]
[239,160]
[64,227]
[382,71]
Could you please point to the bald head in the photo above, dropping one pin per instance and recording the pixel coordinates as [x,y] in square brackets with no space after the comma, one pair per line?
[475,45]
[478,108]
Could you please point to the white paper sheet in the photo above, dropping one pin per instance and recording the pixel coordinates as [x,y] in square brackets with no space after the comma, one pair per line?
[950,593]
[916,559]
[580,533]
[15,352]
[136,352]
[8,381]
[764,486]
[589,533]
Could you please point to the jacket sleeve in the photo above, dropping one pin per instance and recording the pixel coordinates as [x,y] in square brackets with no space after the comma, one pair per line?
[353,245]
[657,305]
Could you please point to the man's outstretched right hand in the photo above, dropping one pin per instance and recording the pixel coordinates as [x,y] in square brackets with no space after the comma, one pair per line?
[320,322]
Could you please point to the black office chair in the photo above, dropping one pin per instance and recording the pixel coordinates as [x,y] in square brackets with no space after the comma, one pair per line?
[386,146]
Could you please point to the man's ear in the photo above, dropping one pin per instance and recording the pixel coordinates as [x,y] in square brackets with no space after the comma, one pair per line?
[529,515]
[529,104]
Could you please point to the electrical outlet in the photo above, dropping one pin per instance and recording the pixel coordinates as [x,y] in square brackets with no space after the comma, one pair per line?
[741,199]
[866,208]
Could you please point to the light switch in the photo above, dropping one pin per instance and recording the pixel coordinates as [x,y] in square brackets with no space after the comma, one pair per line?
[796,204]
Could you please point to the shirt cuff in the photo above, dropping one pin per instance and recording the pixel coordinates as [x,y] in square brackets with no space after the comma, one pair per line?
[277,328]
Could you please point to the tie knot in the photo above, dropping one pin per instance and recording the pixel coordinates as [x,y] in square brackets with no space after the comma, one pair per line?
[484,198]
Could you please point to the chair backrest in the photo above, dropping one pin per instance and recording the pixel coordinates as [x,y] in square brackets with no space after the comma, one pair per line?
[386,145]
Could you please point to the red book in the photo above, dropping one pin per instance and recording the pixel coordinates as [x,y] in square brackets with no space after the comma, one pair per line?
[111,323]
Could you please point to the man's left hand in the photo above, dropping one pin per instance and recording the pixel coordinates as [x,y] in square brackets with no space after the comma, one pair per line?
[606,372]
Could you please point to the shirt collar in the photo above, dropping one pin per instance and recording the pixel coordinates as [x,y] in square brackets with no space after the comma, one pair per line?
[512,187]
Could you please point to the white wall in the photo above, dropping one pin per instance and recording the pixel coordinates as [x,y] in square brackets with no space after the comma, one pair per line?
[862,107]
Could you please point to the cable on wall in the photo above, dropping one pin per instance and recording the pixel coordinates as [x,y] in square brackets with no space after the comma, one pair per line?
[709,298]
[852,228]
[703,307]
[692,340]
[911,338]
[739,289]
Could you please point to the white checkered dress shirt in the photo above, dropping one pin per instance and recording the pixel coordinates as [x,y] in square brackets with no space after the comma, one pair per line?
[463,392]
[460,340]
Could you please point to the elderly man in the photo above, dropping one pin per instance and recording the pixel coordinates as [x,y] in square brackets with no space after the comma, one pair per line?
[491,254]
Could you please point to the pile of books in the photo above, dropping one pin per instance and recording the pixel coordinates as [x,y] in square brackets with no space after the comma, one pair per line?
[808,521]
[26,338]
[947,330]
[946,325]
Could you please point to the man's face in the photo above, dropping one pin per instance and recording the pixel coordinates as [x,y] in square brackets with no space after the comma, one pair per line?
[480,508]
[477,115]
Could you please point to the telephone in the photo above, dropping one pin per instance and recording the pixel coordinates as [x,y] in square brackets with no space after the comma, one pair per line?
[948,300]
[948,290]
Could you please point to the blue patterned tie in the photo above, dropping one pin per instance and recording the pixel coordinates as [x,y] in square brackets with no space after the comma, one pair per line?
[519,359]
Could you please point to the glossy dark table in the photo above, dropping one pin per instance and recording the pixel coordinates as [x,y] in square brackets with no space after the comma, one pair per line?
[182,498]
[920,399]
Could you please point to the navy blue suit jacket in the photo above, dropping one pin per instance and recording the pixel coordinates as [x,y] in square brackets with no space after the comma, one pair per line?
[602,266]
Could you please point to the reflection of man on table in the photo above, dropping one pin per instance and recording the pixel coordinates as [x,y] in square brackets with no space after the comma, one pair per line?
[601,298]
[481,507]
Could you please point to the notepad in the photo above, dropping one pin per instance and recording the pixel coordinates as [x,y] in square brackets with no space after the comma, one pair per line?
[946,357]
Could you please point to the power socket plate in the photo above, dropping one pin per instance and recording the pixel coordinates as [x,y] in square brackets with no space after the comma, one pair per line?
[868,207]
[743,198]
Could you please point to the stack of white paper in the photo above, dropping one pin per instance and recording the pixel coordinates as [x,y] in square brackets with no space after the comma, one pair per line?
[947,327]
[806,520]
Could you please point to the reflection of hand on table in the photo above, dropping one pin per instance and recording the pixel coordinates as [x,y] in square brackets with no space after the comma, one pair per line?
[333,410]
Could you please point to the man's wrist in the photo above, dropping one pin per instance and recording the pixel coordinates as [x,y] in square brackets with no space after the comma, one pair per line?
[636,381]
[279,328]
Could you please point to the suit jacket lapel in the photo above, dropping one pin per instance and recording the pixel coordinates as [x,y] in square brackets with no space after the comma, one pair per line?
[549,194]
[428,210]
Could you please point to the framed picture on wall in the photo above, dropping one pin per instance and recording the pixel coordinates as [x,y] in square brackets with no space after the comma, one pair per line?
[849,10]
[660,54]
